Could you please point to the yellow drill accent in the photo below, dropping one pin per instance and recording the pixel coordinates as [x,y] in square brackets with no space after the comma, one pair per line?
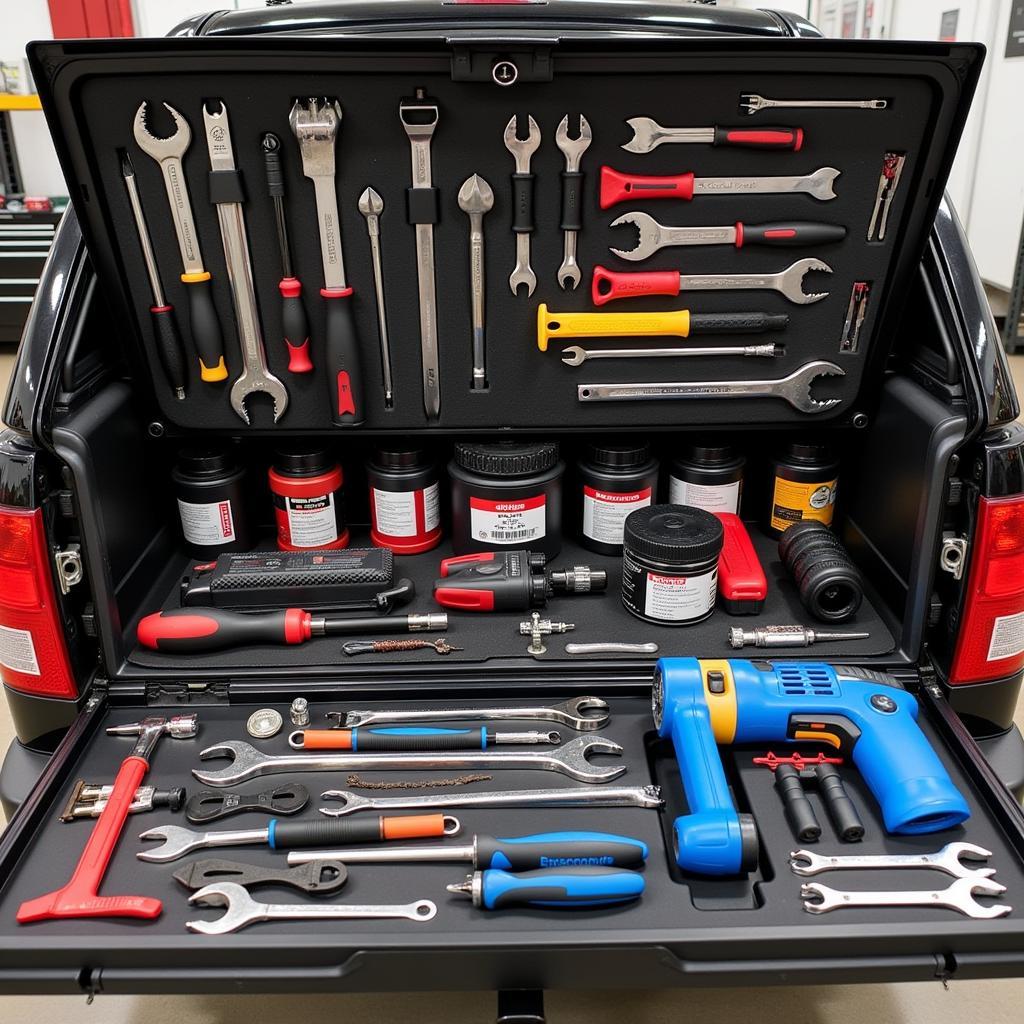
[672,323]
[721,706]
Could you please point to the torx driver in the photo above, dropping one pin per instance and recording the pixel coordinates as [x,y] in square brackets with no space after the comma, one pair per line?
[786,636]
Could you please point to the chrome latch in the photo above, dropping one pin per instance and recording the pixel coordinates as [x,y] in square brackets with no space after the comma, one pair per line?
[69,567]
[953,555]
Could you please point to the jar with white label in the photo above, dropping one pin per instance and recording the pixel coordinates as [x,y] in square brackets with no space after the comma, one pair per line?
[208,485]
[615,479]
[670,564]
[707,476]
[505,495]
[309,500]
[405,507]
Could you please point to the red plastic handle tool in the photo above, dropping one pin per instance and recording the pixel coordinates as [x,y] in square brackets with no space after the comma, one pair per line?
[190,630]
[450,566]
[79,897]
[296,329]
[617,187]
[742,584]
[796,232]
[341,354]
[763,138]
[608,285]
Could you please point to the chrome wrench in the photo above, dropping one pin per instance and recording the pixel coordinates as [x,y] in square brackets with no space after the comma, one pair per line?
[820,899]
[255,377]
[571,759]
[574,355]
[243,910]
[751,102]
[572,196]
[522,201]
[583,796]
[419,117]
[795,389]
[371,206]
[949,859]
[475,199]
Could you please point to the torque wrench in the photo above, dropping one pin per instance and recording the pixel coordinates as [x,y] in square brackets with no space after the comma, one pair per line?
[406,737]
[570,888]
[648,135]
[371,206]
[167,152]
[522,200]
[318,877]
[752,103]
[475,199]
[315,125]
[572,197]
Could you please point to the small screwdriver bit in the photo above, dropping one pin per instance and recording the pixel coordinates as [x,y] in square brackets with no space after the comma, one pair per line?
[786,636]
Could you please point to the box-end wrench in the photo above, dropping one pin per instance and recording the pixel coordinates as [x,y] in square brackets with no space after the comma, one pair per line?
[419,118]
[571,759]
[572,196]
[371,206]
[608,285]
[206,333]
[315,126]
[820,899]
[476,198]
[255,377]
[522,200]
[950,859]
[795,389]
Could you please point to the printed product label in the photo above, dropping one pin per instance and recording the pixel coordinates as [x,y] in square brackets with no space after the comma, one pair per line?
[713,498]
[312,522]
[406,513]
[207,524]
[17,651]
[793,502]
[604,512]
[680,598]
[508,522]
[1007,637]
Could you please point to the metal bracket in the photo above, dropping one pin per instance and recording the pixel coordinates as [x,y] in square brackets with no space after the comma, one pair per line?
[69,567]
[505,65]
[520,1006]
[953,555]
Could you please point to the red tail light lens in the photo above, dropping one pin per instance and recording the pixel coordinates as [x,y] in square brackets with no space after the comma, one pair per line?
[990,644]
[33,654]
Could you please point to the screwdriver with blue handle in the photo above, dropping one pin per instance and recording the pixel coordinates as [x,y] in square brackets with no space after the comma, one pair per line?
[568,888]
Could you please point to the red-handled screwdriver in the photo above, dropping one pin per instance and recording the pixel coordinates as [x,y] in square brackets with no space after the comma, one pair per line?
[648,135]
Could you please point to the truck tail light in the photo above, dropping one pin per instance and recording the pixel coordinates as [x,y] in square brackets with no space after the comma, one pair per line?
[990,641]
[33,653]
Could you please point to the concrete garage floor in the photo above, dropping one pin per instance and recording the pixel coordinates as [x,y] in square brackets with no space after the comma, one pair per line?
[995,1002]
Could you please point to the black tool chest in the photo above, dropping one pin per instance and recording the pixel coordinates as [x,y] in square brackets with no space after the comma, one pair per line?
[685,929]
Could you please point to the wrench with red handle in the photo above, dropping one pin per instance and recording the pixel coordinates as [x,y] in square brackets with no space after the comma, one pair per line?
[648,135]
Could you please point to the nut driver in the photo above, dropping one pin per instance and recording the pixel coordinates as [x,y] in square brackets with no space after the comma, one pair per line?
[648,135]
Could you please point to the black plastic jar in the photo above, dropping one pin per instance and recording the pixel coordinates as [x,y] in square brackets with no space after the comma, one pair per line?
[309,498]
[670,564]
[804,482]
[707,476]
[506,495]
[208,484]
[405,506]
[615,480]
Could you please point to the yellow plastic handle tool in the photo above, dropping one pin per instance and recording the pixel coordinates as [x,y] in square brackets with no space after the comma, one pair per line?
[609,325]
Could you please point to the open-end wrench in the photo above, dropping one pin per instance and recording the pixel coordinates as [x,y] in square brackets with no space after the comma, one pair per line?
[949,859]
[577,796]
[475,199]
[820,899]
[419,117]
[243,910]
[752,103]
[574,355]
[648,135]
[795,389]
[608,285]
[371,206]
[584,714]
[572,196]
[205,326]
[255,378]
[652,236]
[571,759]
[522,201]
[315,125]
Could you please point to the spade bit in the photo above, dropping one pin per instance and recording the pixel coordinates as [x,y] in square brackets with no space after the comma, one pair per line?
[255,377]
[475,199]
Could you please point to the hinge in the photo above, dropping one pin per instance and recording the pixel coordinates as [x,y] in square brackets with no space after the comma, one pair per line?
[504,65]
[215,692]
[953,554]
[69,566]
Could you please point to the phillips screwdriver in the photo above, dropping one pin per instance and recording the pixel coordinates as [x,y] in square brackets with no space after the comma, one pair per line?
[293,312]
[412,737]
[191,630]
[522,853]
[165,327]
[551,888]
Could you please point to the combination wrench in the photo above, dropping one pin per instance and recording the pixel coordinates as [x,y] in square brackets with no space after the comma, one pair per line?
[572,196]
[522,200]
[949,860]
[820,899]
[255,378]
[574,355]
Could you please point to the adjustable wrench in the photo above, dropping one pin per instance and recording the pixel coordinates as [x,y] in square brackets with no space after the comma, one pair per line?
[795,389]
[572,196]
[522,201]
[475,199]
[419,118]
[255,376]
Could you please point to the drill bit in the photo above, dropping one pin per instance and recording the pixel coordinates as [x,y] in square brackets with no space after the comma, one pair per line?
[786,636]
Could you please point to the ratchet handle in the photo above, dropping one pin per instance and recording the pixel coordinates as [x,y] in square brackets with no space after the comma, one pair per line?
[188,630]
[617,187]
[571,888]
[341,354]
[522,203]
[558,849]
[572,201]
[797,232]
[169,347]
[761,138]
[292,835]
[296,328]
[205,327]
[609,285]
[367,738]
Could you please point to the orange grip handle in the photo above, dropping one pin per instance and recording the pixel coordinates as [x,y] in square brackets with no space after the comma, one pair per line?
[412,826]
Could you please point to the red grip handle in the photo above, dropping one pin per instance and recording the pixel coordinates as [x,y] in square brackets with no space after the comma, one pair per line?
[617,187]
[607,285]
[464,598]
[450,566]
[190,630]
[762,138]
[741,579]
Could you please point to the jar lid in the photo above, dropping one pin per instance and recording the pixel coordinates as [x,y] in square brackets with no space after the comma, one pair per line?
[673,533]
[619,456]
[809,452]
[302,460]
[399,458]
[205,461]
[716,456]
[507,458]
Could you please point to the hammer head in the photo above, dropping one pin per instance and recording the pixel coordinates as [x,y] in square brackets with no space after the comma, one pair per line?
[149,731]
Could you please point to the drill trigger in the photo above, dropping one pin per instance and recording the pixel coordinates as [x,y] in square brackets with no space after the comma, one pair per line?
[835,730]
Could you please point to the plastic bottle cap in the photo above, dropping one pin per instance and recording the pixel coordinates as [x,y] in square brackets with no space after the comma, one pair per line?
[399,458]
[205,461]
[507,458]
[674,533]
[619,456]
[712,456]
[301,460]
[810,453]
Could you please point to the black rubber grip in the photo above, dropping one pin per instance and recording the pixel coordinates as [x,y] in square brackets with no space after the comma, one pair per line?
[272,163]
[798,809]
[291,835]
[172,799]
[341,359]
[841,808]
[169,347]
[369,739]
[572,201]
[226,187]
[423,205]
[559,850]
[205,326]
[522,203]
[736,323]
[794,232]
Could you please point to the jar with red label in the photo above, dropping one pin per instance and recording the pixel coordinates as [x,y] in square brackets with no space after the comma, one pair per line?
[507,495]
[405,507]
[309,500]
[615,479]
